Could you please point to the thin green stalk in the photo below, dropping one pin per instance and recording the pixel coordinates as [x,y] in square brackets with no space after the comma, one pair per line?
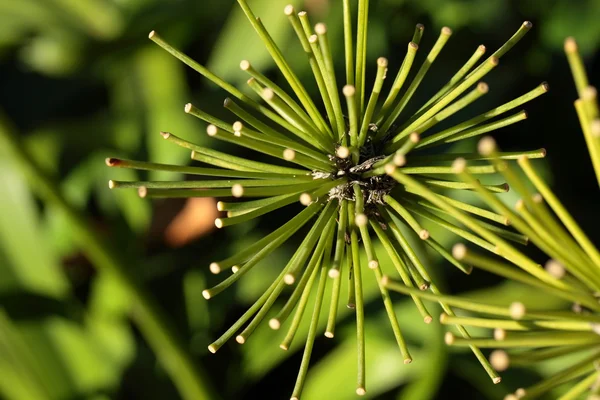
[312,333]
[398,83]
[374,265]
[322,251]
[433,53]
[314,64]
[247,67]
[284,233]
[511,325]
[222,173]
[249,118]
[285,68]
[361,51]
[329,77]
[382,64]
[560,211]
[581,387]
[360,307]
[507,271]
[539,90]
[468,66]
[576,64]
[348,43]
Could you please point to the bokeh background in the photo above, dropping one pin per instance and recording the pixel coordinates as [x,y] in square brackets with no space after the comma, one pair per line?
[80,81]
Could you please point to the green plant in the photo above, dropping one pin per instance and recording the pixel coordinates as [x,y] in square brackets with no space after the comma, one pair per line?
[569,337]
[342,159]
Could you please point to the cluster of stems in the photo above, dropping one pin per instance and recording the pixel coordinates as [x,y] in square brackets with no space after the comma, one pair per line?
[363,169]
[524,337]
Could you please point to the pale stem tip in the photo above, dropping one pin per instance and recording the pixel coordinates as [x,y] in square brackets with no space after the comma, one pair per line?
[497,380]
[206,294]
[520,392]
[527,24]
[446,31]
[443,317]
[214,268]
[284,347]
[486,146]
[237,126]
[235,269]
[517,310]
[142,191]
[555,269]
[188,107]
[274,324]
[320,28]
[413,45]
[427,319]
[305,199]
[570,45]
[342,152]
[382,62]
[424,234]
[589,93]
[237,190]
[268,93]
[240,339]
[459,251]
[389,168]
[483,87]
[111,184]
[288,10]
[407,360]
[289,279]
[511,397]
[348,90]
[481,49]
[220,206]
[449,338]
[313,39]
[211,130]
[165,135]
[333,273]
[329,335]
[212,349]
[399,160]
[499,360]
[414,137]
[151,34]
[111,162]
[519,205]
[361,391]
[385,280]
[545,85]
[219,223]
[361,220]
[499,334]
[373,264]
[459,165]
[289,154]
[244,65]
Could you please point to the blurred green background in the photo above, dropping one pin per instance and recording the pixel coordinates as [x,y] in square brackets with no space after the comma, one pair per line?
[80,81]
